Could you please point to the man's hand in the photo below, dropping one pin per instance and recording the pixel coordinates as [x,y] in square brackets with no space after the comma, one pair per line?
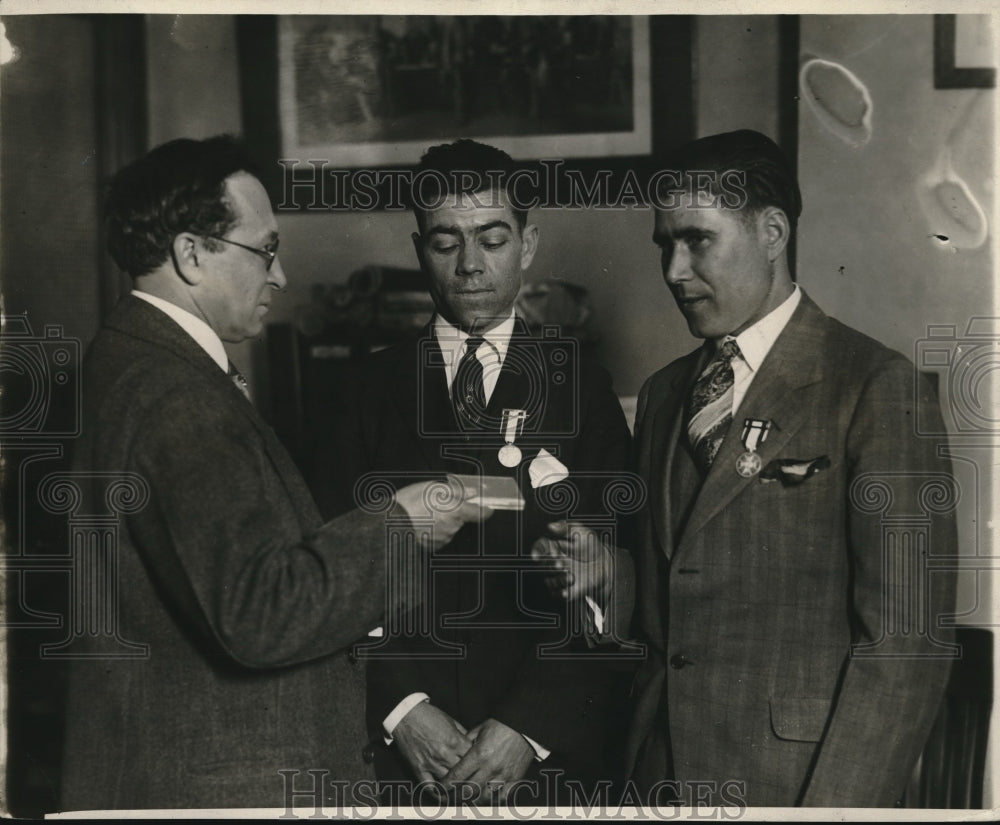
[446,503]
[499,755]
[580,562]
[431,741]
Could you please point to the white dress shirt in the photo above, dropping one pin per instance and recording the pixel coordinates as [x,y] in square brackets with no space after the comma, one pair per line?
[491,355]
[202,333]
[755,343]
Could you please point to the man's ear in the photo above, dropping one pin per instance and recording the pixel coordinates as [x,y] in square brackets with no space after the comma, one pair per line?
[775,231]
[184,251]
[529,243]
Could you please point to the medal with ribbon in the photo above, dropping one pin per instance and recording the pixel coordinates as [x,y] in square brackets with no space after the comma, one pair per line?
[755,432]
[510,427]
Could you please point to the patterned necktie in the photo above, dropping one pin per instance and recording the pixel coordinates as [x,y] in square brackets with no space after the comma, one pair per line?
[468,395]
[710,411]
[237,378]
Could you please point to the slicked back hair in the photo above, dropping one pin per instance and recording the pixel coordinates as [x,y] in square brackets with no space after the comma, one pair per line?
[769,177]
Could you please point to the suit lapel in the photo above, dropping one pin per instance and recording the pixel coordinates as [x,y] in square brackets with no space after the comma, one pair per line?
[773,395]
[140,319]
[421,397]
[668,421]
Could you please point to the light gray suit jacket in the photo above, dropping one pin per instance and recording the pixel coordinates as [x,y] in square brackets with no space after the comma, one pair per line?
[793,628]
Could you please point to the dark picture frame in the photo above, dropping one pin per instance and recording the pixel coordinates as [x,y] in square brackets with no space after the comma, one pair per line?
[947,75]
[670,118]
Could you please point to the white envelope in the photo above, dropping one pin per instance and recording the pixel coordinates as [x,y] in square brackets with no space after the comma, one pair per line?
[546,469]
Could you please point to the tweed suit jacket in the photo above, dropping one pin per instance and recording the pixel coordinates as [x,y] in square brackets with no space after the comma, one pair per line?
[790,650]
[489,611]
[246,601]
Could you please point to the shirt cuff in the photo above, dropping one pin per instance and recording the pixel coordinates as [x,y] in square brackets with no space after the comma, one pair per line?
[597,614]
[540,752]
[398,712]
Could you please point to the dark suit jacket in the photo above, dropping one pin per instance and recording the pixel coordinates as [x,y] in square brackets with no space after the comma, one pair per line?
[246,601]
[752,606]
[489,609]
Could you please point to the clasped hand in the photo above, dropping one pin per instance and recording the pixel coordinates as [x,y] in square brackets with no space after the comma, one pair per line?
[490,756]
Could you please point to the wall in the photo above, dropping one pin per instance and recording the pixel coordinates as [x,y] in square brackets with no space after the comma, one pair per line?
[870,255]
[50,248]
[610,253]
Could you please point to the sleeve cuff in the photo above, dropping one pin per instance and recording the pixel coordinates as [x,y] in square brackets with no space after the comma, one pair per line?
[540,752]
[398,712]
[596,614]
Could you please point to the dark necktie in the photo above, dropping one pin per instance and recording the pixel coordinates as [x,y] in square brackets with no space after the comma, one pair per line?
[468,395]
[239,381]
[710,411]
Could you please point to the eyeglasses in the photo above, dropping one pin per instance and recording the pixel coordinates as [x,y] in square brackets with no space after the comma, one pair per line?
[268,253]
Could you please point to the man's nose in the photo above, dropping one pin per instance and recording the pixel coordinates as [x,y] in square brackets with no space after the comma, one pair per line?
[276,275]
[470,259]
[676,264]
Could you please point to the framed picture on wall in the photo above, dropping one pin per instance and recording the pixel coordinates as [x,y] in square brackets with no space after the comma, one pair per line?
[964,51]
[349,92]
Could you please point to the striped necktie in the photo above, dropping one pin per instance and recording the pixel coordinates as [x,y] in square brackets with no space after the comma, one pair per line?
[468,394]
[239,381]
[710,411]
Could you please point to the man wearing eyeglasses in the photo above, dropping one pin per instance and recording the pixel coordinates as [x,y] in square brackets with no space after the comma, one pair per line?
[236,605]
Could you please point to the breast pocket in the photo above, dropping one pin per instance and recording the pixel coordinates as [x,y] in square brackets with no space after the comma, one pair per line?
[799,718]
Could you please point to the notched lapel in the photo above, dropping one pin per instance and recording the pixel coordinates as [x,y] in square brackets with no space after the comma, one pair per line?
[777,394]
[667,423]
[421,398]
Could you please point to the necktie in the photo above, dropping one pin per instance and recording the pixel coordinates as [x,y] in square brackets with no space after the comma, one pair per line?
[468,396]
[237,378]
[711,408]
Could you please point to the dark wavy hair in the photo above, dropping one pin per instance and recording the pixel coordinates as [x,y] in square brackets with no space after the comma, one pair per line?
[770,179]
[177,187]
[465,167]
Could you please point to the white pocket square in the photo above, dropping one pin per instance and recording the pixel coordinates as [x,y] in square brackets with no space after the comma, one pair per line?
[546,469]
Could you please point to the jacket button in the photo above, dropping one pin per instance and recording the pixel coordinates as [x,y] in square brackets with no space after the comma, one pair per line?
[368,753]
[677,661]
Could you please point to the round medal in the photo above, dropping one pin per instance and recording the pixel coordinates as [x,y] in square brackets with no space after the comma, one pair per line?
[509,455]
[748,464]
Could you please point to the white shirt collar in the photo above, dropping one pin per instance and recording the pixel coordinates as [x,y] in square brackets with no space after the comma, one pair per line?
[452,340]
[202,333]
[491,355]
[755,341]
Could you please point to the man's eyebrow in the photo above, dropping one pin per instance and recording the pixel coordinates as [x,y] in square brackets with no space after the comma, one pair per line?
[498,224]
[443,229]
[681,234]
